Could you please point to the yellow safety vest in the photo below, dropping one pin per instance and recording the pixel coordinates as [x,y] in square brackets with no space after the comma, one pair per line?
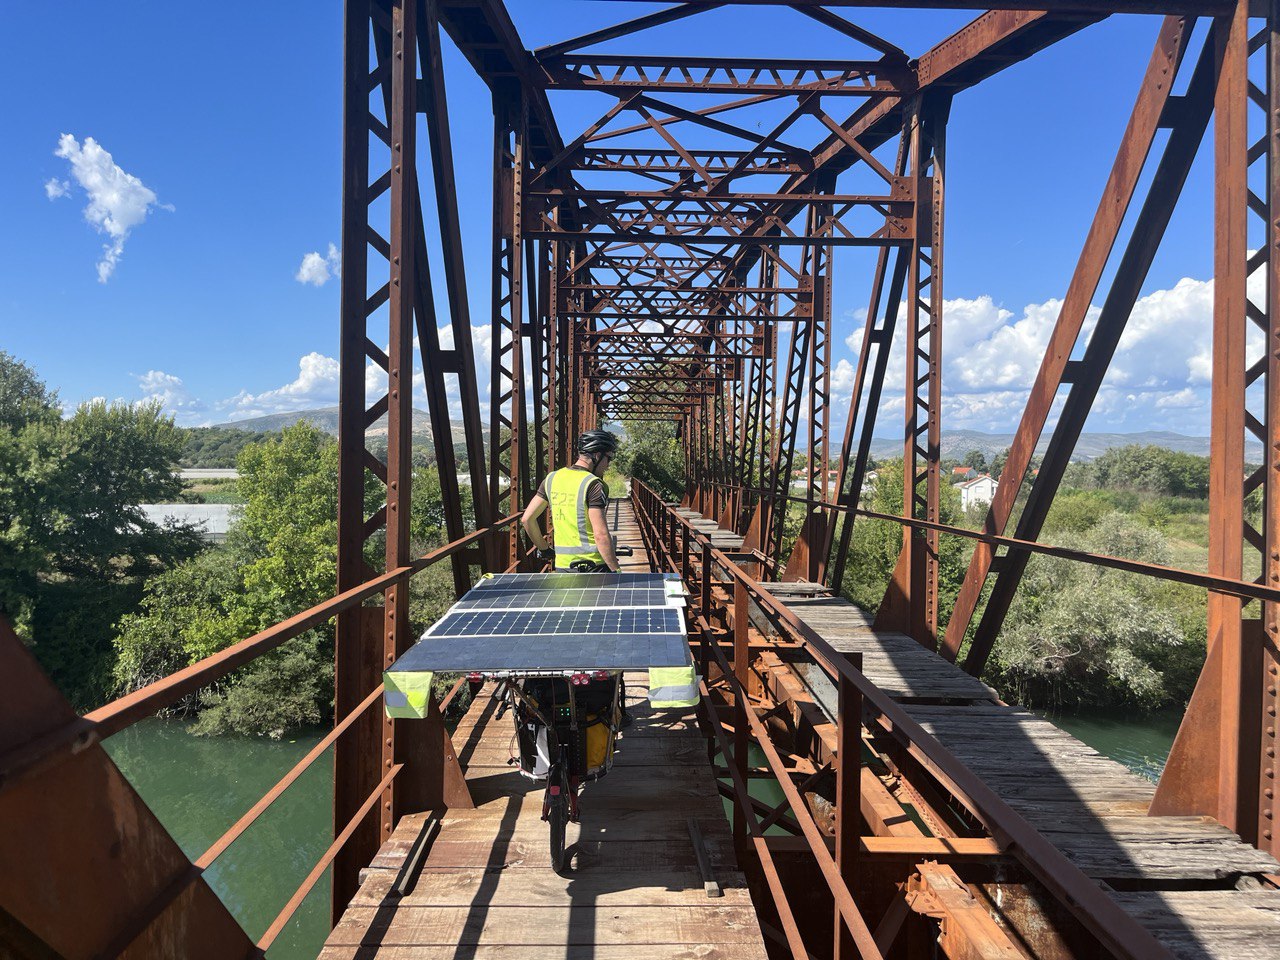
[574,538]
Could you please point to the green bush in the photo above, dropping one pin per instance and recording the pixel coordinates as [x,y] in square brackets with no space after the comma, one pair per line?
[1081,634]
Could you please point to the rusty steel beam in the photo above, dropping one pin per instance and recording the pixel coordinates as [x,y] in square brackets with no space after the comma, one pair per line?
[89,870]
[1223,760]
[910,603]
[621,76]
[357,652]
[460,361]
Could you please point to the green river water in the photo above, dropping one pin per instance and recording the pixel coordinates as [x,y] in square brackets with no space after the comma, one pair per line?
[200,786]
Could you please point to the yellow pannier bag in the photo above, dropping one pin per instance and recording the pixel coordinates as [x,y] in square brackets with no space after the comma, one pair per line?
[600,742]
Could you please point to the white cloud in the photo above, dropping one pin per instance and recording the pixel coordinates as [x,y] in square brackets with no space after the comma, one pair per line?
[156,386]
[118,201]
[481,343]
[1158,378]
[317,268]
[315,386]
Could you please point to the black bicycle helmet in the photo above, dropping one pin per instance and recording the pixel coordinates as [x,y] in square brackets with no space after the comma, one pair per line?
[597,443]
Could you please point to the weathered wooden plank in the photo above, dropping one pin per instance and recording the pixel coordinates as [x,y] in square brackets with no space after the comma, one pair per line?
[550,926]
[630,752]
[1210,924]
[641,855]
[522,888]
[599,822]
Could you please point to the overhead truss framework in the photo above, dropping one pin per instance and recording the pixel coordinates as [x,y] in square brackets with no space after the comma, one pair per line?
[672,254]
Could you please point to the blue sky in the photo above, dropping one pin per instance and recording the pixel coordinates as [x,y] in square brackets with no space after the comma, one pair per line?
[222,125]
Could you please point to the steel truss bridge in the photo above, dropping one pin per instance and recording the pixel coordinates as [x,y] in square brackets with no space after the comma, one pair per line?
[671,256]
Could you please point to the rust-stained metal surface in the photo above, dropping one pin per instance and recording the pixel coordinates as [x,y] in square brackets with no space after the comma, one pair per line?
[88,870]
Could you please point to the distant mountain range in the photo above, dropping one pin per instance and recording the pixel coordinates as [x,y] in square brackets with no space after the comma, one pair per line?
[955,443]
[326,419]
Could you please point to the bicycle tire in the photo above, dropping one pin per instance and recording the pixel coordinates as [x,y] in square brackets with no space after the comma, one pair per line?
[557,818]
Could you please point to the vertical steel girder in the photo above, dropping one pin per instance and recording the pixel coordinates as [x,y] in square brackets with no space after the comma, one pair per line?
[357,654]
[1223,761]
[808,560]
[910,603]
[369,639]
[508,438]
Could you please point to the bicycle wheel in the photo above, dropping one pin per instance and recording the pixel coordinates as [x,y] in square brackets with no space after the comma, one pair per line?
[558,817]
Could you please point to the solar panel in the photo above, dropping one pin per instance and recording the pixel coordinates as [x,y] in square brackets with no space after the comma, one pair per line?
[531,623]
[544,654]
[591,623]
[561,581]
[502,598]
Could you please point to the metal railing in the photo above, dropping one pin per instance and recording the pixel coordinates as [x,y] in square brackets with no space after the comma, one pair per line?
[676,545]
[147,701]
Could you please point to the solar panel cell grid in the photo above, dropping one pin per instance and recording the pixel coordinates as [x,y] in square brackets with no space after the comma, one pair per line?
[504,598]
[560,581]
[595,623]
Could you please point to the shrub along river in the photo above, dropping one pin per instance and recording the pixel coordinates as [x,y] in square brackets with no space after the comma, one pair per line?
[200,786]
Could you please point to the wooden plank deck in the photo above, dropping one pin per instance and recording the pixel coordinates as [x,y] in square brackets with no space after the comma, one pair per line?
[1092,808]
[486,890]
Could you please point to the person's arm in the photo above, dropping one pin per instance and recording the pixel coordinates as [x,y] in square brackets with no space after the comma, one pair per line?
[529,521]
[604,539]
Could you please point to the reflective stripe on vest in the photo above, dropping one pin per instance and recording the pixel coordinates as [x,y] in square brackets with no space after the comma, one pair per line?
[673,687]
[567,493]
[406,695]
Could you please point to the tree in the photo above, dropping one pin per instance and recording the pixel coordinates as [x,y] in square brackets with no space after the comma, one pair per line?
[427,526]
[74,543]
[279,559]
[1078,633]
[998,462]
[1151,469]
[24,398]
[875,544]
[977,460]
[652,454]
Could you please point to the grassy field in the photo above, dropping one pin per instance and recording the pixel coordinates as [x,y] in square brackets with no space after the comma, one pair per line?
[216,490]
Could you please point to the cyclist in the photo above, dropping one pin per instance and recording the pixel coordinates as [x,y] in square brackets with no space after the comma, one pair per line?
[579,501]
